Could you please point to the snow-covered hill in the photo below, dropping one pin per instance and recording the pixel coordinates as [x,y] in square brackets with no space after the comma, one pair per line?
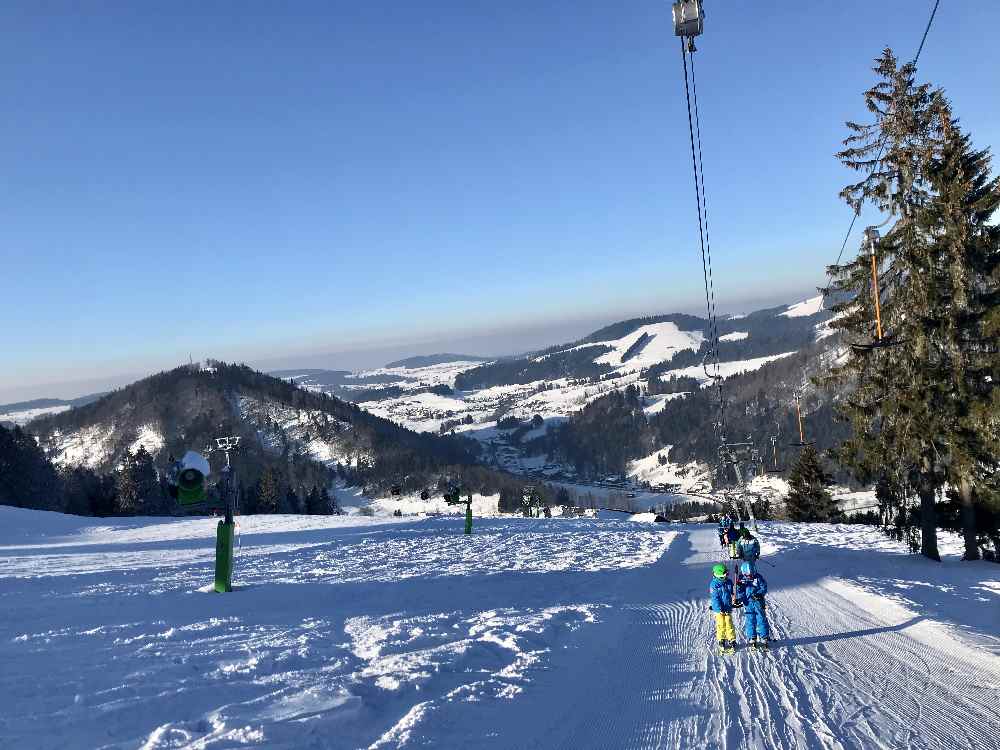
[553,385]
[298,432]
[350,632]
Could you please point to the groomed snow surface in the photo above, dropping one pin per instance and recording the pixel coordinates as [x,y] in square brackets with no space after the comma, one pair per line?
[349,632]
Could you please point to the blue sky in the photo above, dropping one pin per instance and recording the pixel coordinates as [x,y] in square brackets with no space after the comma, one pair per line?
[337,181]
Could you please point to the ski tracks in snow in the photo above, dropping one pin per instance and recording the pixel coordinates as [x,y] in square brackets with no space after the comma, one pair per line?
[842,673]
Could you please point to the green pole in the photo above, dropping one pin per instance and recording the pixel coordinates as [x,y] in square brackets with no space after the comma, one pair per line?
[468,517]
[224,556]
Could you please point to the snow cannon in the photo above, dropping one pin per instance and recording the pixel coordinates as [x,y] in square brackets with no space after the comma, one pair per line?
[454,497]
[192,471]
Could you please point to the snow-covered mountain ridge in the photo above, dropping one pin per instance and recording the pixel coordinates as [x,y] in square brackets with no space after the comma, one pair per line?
[280,425]
[510,402]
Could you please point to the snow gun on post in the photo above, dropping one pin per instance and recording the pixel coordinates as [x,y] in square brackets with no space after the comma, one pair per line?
[187,480]
[454,497]
[187,483]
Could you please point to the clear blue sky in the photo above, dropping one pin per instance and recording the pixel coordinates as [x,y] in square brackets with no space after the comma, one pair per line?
[266,181]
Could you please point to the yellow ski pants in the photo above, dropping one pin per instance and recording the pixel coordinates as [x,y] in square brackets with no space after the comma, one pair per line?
[724,630]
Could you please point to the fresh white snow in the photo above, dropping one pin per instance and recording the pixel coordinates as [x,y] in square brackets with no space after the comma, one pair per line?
[686,478]
[149,438]
[804,308]
[726,369]
[348,632]
[735,336]
[24,416]
[665,340]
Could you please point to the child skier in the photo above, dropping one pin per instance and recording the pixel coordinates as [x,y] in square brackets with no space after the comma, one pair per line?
[721,592]
[749,547]
[725,524]
[751,588]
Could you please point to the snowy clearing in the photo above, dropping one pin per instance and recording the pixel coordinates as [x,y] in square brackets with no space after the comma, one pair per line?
[649,345]
[23,416]
[348,632]
[804,308]
[735,336]
[726,369]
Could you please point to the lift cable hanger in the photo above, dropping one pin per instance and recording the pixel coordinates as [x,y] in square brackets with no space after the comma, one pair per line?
[802,436]
[880,342]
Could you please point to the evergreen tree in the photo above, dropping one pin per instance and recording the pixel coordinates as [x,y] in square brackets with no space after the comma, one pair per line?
[146,483]
[329,502]
[267,492]
[808,499]
[27,477]
[897,395]
[960,312]
[126,485]
[314,503]
[292,504]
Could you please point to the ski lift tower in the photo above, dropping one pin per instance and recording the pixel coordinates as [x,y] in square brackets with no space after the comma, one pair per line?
[732,454]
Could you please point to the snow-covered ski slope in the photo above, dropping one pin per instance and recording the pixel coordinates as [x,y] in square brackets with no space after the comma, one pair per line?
[358,633]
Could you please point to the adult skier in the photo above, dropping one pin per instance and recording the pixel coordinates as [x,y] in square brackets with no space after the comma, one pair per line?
[721,592]
[748,547]
[751,590]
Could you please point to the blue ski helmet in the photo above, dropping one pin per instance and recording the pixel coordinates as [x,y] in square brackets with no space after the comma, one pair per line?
[746,569]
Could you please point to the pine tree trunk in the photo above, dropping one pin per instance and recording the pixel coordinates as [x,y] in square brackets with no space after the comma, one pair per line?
[928,514]
[968,519]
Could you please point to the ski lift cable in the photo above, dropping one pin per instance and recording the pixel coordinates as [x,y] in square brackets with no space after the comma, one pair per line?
[881,150]
[713,318]
[702,220]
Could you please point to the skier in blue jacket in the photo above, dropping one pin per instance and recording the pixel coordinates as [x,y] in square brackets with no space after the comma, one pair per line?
[751,590]
[732,537]
[725,524]
[720,590]
[748,547]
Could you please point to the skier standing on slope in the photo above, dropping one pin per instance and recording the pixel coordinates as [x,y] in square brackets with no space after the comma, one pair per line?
[721,592]
[748,547]
[751,590]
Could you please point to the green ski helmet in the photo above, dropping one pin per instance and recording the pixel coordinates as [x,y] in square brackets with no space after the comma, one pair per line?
[719,571]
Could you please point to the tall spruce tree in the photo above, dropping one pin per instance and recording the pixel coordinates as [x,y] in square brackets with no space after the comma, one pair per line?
[808,498]
[896,395]
[126,485]
[267,492]
[959,314]
[146,483]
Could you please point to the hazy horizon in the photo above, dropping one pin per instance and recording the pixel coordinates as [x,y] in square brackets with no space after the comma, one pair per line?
[483,343]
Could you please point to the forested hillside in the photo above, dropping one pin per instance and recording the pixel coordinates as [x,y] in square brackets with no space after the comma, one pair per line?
[112,455]
[614,429]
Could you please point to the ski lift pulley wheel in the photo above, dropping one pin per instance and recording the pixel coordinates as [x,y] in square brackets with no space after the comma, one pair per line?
[689,18]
